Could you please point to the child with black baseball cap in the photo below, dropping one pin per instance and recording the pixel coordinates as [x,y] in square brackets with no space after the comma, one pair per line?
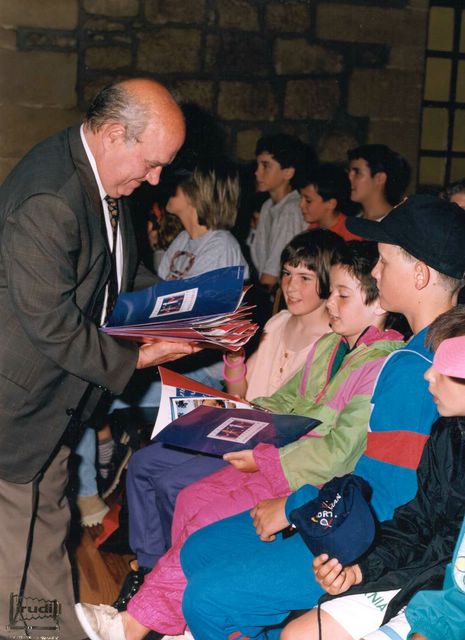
[415,550]
[428,228]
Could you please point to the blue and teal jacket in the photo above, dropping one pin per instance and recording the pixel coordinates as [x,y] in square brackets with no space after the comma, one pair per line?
[402,415]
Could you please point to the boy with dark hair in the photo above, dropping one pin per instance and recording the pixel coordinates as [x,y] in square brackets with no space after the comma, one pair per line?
[280,159]
[324,195]
[379,178]
[414,549]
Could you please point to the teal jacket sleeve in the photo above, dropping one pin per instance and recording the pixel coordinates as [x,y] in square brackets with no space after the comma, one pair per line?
[438,614]
[299,498]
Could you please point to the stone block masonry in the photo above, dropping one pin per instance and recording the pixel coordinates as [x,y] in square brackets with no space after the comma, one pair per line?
[336,73]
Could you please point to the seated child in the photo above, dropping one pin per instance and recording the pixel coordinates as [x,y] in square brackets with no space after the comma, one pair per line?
[334,386]
[206,203]
[414,550]
[323,196]
[378,177]
[289,335]
[156,473]
[279,158]
[237,581]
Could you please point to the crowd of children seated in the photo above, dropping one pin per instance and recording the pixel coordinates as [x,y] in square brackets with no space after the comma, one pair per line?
[214,555]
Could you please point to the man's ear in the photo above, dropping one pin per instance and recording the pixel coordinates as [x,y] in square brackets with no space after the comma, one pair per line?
[113,133]
[421,275]
[288,173]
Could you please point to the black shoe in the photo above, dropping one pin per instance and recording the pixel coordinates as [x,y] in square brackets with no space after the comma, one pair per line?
[131,586]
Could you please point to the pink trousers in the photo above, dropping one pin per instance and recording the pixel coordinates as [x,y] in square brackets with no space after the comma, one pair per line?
[225,493]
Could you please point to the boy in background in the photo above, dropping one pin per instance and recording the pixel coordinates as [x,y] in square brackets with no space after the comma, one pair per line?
[378,177]
[280,159]
[324,195]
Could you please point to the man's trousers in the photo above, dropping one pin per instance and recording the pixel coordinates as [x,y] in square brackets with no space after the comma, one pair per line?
[36,516]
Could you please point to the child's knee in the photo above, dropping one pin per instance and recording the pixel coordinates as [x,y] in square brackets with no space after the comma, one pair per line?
[295,630]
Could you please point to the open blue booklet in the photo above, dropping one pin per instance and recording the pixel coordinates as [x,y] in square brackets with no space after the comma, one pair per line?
[216,431]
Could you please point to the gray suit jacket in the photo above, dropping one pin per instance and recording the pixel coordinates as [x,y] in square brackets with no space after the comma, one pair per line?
[54,264]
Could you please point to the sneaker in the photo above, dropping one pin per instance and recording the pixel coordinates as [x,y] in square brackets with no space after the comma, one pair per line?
[100,621]
[93,510]
[131,585]
[115,468]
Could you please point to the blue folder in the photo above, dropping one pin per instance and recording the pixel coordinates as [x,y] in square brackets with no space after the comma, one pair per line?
[217,431]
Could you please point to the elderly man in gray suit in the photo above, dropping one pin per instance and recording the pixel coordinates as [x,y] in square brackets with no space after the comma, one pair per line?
[66,249]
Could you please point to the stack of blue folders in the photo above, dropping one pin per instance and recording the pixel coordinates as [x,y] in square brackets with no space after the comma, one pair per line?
[205,310]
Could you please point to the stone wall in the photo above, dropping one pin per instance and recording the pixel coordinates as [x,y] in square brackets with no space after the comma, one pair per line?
[334,73]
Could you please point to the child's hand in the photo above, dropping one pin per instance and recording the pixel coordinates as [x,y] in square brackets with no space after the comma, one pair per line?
[333,577]
[269,517]
[242,460]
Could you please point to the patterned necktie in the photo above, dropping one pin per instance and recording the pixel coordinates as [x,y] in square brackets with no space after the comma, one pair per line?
[113,279]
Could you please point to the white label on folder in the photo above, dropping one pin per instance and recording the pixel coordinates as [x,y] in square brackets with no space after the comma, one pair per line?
[180,405]
[175,303]
[237,430]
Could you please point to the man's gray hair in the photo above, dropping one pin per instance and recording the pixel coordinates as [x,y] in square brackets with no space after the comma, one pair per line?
[114,104]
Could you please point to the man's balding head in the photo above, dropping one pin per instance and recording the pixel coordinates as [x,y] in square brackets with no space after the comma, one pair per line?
[134,129]
[135,103]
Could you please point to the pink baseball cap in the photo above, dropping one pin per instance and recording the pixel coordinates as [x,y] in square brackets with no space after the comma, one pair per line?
[449,358]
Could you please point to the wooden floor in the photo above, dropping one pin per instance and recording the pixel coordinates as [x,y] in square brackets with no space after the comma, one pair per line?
[100,574]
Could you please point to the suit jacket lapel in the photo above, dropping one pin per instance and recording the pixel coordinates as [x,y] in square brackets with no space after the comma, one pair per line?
[86,175]
[94,211]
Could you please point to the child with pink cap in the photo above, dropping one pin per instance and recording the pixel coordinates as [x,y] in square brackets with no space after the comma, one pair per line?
[414,562]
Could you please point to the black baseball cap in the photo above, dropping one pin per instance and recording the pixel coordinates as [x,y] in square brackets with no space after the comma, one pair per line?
[430,229]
